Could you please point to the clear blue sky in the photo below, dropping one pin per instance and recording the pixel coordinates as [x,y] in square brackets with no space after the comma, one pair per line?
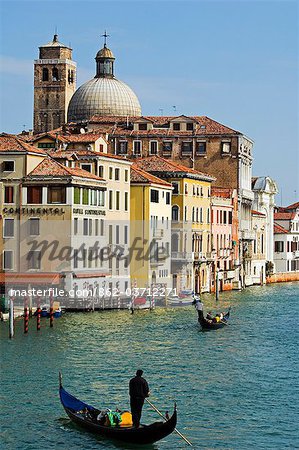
[235,62]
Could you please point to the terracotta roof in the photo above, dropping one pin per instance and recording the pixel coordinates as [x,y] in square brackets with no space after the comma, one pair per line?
[278,229]
[11,143]
[204,125]
[67,154]
[141,176]
[293,206]
[49,167]
[257,213]
[221,192]
[284,215]
[157,164]
[69,138]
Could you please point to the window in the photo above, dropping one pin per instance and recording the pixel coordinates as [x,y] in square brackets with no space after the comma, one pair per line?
[125,234]
[167,146]
[117,200]
[76,226]
[279,246]
[122,148]
[93,197]
[225,147]
[137,147]
[208,216]
[86,167]
[154,196]
[186,188]
[230,217]
[8,260]
[175,213]
[85,196]
[176,126]
[34,260]
[56,194]
[175,186]
[34,227]
[187,147]
[85,227]
[167,198]
[110,199]
[153,147]
[201,215]
[101,198]
[45,74]
[116,174]
[8,166]
[102,230]
[126,175]
[142,126]
[201,148]
[117,234]
[46,145]
[55,75]
[189,126]
[34,195]
[9,228]
[110,173]
[77,191]
[8,194]
[224,217]
[101,171]
[70,76]
[110,236]
[126,201]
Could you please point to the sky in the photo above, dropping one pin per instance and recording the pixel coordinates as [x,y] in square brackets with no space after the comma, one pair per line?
[233,61]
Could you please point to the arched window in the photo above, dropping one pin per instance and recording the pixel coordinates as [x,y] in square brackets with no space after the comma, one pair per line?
[70,76]
[55,74]
[175,213]
[45,74]
[193,214]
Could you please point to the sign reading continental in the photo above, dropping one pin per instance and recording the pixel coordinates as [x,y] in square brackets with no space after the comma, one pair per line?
[40,211]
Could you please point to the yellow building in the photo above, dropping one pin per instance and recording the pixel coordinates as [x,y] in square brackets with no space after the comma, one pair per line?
[191,222]
[150,261]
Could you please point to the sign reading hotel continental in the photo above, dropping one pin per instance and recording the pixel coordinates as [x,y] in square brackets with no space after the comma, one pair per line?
[89,212]
[40,211]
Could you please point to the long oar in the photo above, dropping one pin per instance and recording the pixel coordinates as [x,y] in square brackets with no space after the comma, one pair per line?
[176,430]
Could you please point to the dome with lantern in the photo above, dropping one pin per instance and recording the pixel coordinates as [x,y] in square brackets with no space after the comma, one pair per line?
[104,95]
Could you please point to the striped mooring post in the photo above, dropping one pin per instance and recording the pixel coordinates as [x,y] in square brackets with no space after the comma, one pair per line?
[38,314]
[26,315]
[51,313]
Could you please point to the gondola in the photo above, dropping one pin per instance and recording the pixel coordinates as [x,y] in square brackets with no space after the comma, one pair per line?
[210,325]
[86,416]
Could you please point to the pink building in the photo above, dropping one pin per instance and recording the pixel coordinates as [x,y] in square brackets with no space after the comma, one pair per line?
[224,204]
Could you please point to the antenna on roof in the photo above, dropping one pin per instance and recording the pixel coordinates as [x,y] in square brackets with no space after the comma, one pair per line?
[174,109]
[161,111]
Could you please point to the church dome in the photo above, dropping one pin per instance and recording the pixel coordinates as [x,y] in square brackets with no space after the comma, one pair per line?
[104,95]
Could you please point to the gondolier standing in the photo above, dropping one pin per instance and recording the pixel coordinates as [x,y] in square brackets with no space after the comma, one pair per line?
[198,306]
[138,390]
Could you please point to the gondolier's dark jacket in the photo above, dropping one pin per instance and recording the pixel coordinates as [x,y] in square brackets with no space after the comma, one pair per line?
[138,387]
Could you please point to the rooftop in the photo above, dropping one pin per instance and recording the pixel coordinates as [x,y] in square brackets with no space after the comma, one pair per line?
[141,176]
[11,143]
[284,215]
[278,229]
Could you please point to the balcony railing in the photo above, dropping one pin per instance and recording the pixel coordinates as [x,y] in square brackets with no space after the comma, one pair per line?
[158,233]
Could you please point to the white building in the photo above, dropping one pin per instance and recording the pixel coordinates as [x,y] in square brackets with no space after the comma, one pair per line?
[286,239]
[265,189]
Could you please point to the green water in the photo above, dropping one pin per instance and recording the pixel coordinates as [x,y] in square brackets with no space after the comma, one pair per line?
[236,388]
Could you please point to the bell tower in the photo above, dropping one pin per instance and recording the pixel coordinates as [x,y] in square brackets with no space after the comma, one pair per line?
[54,85]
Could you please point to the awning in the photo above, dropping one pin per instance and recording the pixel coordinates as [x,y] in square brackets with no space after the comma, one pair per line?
[30,278]
[90,275]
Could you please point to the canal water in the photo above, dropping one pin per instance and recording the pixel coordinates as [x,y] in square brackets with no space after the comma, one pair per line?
[236,388]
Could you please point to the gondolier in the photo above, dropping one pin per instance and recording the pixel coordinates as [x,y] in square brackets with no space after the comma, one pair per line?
[198,306]
[138,390]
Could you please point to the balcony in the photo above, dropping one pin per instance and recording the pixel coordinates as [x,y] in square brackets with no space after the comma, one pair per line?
[181,256]
[158,233]
[247,235]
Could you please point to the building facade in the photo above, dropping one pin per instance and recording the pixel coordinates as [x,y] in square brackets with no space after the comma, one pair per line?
[286,238]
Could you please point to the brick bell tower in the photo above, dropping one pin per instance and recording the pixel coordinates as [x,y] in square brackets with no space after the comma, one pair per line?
[54,85]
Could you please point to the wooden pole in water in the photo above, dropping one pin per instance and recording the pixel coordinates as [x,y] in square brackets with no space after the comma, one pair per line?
[26,315]
[217,285]
[38,314]
[11,318]
[51,313]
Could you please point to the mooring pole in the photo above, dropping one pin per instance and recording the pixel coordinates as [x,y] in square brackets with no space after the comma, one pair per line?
[26,315]
[217,285]
[11,318]
[51,313]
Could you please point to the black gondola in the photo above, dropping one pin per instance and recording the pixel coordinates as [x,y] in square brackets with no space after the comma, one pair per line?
[210,324]
[85,415]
